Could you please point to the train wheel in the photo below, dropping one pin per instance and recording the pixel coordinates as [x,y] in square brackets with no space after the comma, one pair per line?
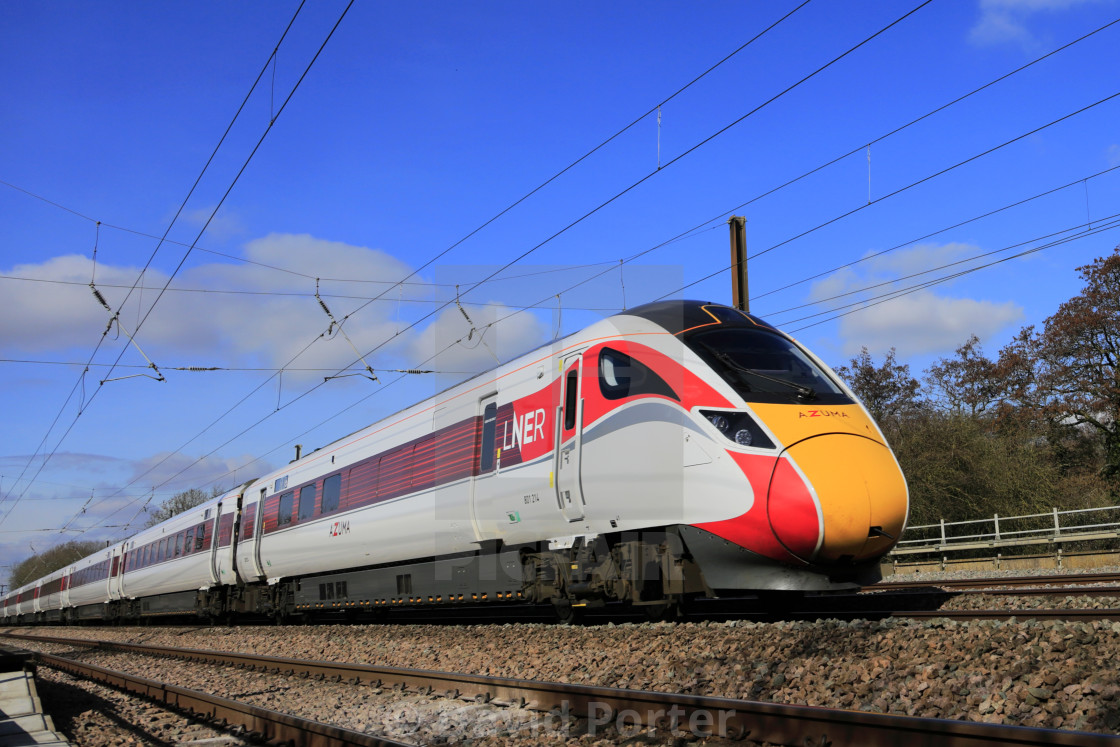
[666,610]
[566,614]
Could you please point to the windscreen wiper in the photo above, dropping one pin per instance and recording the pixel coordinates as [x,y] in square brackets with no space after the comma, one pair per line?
[803,392]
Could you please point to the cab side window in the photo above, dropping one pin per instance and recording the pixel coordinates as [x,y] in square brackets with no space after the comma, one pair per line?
[621,376]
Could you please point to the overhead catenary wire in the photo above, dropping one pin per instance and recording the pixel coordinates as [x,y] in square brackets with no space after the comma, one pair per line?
[182,206]
[604,143]
[740,206]
[86,403]
[719,219]
[894,131]
[672,161]
[1081,229]
[920,286]
[608,269]
[901,190]
[679,157]
[959,224]
[329,296]
[207,369]
[335,324]
[868,303]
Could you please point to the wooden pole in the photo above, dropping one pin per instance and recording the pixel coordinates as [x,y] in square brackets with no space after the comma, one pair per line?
[740,295]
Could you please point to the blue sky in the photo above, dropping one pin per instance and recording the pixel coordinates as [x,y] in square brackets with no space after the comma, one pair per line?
[415,126]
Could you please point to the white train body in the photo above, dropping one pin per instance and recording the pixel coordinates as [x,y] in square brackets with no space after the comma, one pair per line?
[685,448]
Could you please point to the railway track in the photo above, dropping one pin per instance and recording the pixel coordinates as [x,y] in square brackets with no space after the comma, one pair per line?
[1067,580]
[917,602]
[597,707]
[259,724]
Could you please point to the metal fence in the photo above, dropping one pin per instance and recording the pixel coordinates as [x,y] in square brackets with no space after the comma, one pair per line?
[1054,528]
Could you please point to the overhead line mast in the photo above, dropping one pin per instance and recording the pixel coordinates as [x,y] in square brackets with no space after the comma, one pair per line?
[740,293]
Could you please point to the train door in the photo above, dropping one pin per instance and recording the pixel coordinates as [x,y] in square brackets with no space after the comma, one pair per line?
[223,544]
[569,440]
[215,569]
[64,597]
[485,485]
[116,573]
[249,566]
[235,531]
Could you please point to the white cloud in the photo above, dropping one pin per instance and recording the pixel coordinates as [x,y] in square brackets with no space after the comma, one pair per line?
[39,317]
[223,225]
[924,321]
[244,330]
[1006,21]
[886,270]
[1113,155]
[495,335]
[921,257]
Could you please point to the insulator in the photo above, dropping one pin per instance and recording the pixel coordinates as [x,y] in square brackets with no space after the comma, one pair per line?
[100,298]
[321,303]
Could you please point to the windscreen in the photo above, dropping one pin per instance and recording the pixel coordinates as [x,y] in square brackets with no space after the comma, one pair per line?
[763,366]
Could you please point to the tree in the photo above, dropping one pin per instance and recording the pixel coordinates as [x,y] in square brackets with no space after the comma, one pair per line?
[958,468]
[888,391]
[967,384]
[181,502]
[59,556]
[1078,354]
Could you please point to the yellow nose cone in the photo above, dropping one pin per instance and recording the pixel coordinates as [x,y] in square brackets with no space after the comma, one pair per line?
[861,492]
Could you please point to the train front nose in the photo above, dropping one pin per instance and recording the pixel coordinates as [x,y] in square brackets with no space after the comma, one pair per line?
[845,501]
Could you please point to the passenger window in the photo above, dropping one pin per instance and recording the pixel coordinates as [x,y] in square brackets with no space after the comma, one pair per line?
[178,544]
[198,537]
[361,484]
[621,376]
[188,545]
[489,431]
[306,502]
[285,514]
[332,488]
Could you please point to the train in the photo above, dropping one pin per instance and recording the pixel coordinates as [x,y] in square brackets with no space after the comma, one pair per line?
[676,451]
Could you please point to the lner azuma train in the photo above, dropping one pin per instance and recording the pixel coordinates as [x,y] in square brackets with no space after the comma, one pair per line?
[677,450]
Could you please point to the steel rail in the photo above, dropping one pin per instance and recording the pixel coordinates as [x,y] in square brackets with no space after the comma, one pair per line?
[1043,591]
[1047,591]
[981,583]
[1035,614]
[869,613]
[679,713]
[271,726]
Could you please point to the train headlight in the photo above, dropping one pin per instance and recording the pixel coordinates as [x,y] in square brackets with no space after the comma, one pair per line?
[738,427]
